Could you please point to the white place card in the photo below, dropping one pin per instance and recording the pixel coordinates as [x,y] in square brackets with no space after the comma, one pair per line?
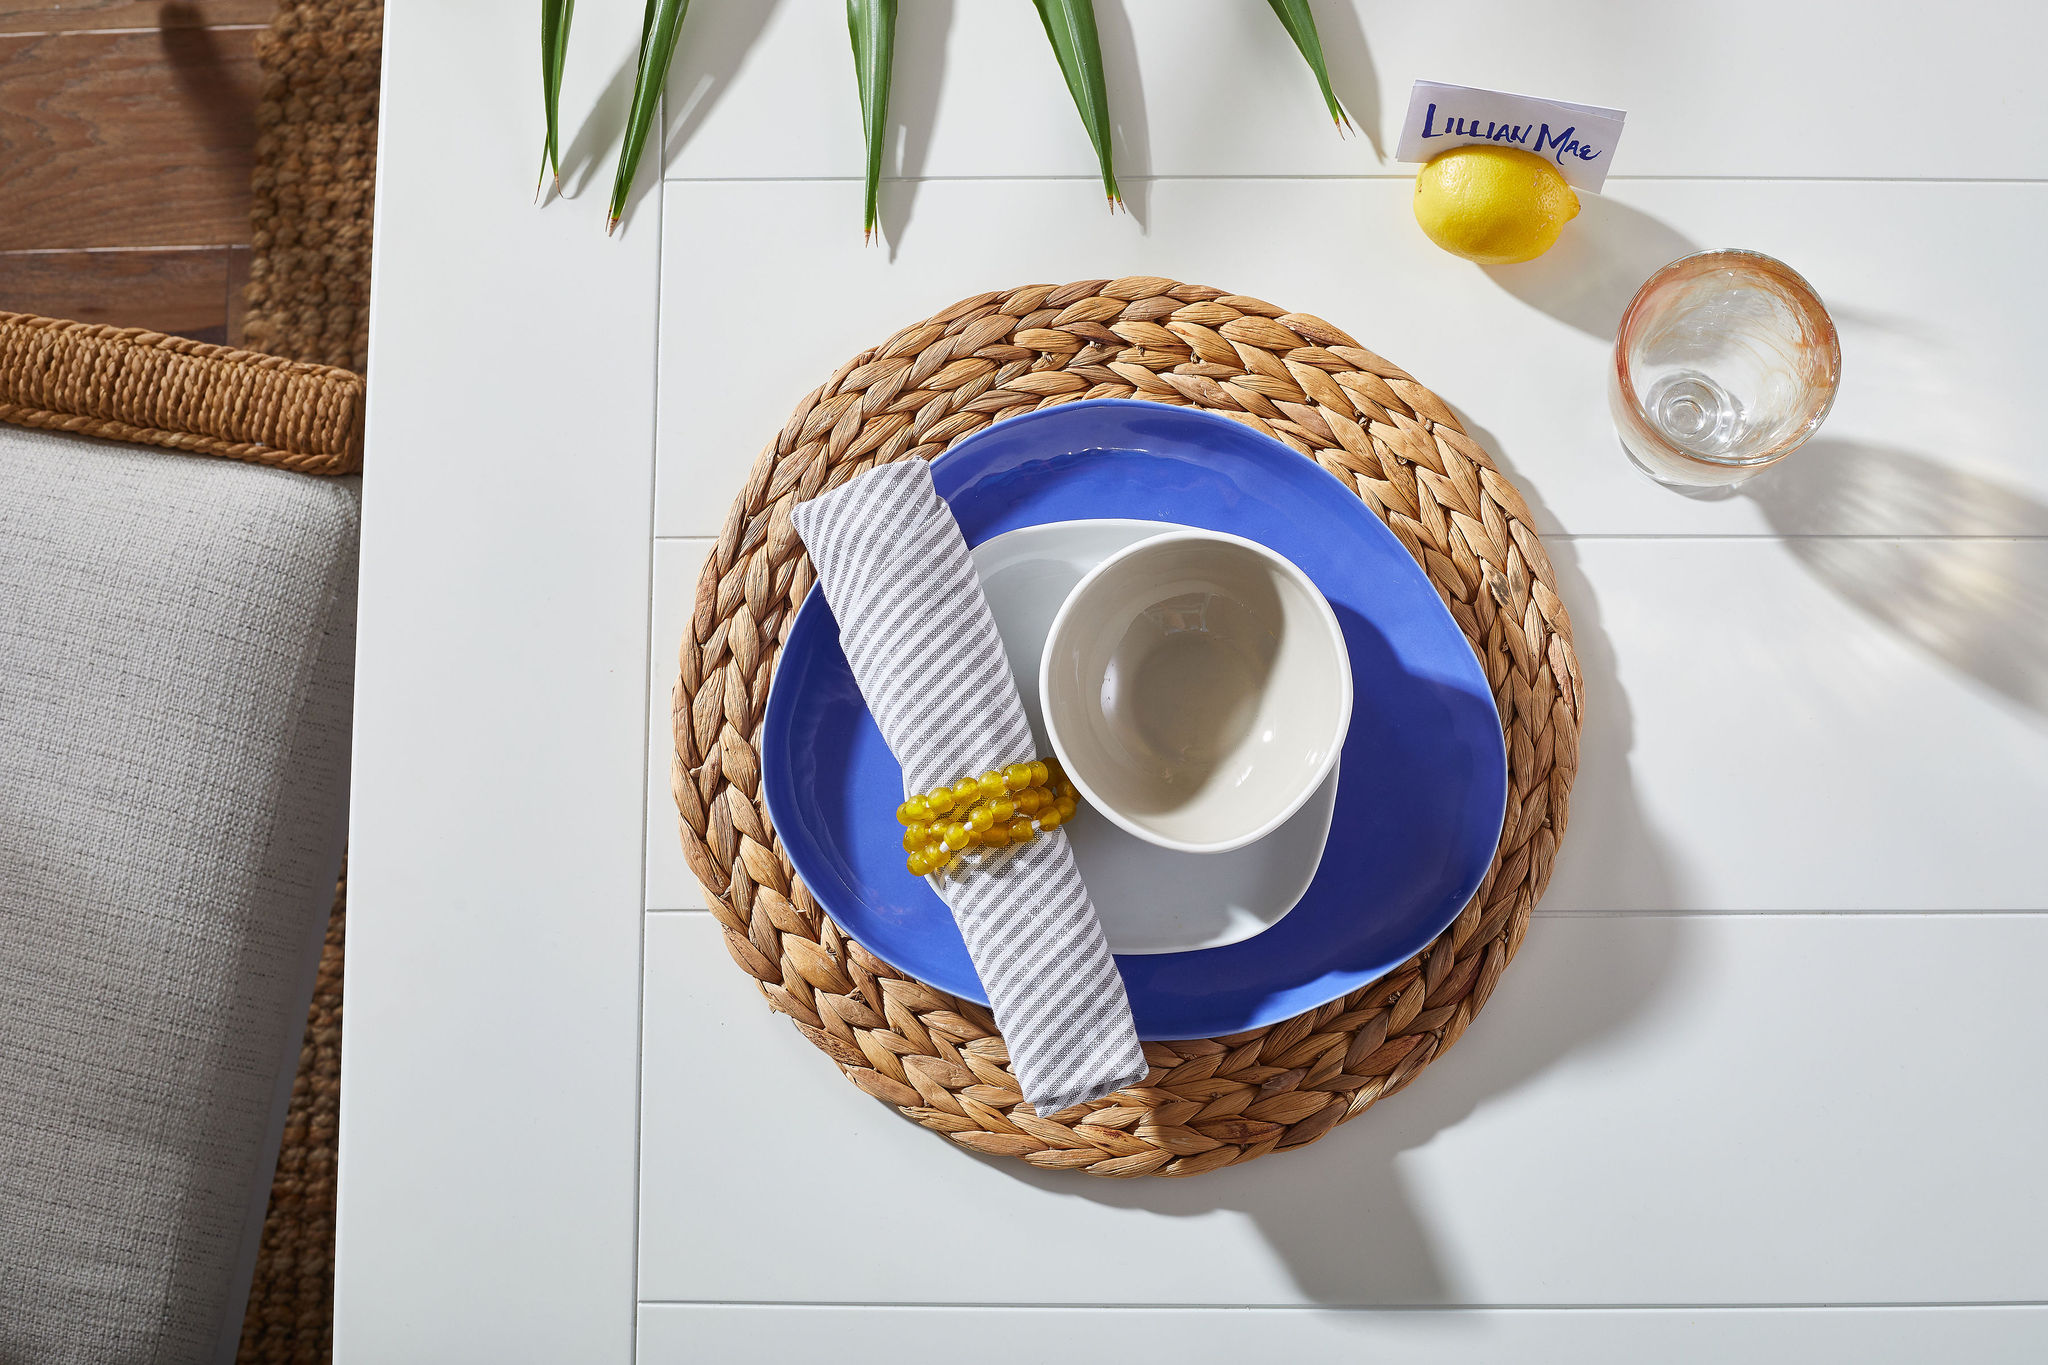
[1579,138]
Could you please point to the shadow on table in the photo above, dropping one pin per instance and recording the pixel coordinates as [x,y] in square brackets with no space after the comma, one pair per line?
[1924,549]
[711,57]
[1353,77]
[713,48]
[918,70]
[594,146]
[1342,1215]
[1587,279]
[710,54]
[708,58]
[1612,857]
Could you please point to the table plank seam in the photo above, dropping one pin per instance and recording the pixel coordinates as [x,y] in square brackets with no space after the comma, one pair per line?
[1421,1308]
[1541,913]
[1394,173]
[646,742]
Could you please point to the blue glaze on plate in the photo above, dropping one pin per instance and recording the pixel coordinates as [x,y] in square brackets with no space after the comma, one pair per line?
[1424,773]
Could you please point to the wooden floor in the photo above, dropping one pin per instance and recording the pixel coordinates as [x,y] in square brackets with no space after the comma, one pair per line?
[126,131]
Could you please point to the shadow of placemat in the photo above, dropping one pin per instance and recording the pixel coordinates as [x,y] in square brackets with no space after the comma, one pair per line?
[308,298]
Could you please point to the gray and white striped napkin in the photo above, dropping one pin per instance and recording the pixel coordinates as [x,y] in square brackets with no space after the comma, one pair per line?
[924,649]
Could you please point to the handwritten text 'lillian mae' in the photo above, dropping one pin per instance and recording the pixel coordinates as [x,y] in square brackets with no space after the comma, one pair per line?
[1558,145]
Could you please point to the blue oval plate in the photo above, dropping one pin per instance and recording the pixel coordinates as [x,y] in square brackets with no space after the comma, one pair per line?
[1423,782]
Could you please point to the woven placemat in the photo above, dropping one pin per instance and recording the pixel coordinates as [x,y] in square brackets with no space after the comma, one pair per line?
[939,1059]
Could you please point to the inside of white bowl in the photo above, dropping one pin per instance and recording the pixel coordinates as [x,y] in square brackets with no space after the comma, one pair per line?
[1197,689]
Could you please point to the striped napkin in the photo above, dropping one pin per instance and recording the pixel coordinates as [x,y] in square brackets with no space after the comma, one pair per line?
[924,649]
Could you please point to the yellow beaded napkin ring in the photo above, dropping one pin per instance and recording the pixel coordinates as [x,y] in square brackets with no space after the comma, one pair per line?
[1003,806]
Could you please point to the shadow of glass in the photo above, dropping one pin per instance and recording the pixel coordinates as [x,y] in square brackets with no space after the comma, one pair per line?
[1947,560]
[1587,279]
[917,71]
[1352,75]
[1346,1218]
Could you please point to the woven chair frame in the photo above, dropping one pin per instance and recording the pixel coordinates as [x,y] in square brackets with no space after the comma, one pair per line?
[130,384]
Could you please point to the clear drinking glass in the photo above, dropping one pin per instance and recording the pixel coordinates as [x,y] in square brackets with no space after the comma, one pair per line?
[1725,362]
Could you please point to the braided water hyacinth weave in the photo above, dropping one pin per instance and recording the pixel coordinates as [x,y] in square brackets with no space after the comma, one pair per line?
[1206,1103]
[130,384]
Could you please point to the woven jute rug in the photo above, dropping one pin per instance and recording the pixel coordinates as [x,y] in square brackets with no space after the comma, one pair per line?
[308,298]
[316,165]
[939,1059]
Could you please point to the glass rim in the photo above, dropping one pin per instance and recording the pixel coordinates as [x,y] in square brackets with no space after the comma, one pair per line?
[1802,295]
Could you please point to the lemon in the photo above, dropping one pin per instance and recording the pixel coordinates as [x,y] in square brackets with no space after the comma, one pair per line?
[1493,205]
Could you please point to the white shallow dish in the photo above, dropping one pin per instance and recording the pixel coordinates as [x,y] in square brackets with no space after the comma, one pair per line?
[1151,899]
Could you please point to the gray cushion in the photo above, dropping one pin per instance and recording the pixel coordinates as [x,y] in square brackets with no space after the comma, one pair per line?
[176,644]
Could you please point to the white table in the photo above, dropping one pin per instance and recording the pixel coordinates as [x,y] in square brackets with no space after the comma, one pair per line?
[1764,1082]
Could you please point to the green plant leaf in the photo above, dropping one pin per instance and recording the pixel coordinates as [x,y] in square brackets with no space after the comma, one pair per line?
[872,26]
[1070,25]
[659,25]
[554,51]
[1300,22]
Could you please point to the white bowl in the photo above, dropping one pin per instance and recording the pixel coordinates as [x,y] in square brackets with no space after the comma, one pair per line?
[1196,689]
[1150,899]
